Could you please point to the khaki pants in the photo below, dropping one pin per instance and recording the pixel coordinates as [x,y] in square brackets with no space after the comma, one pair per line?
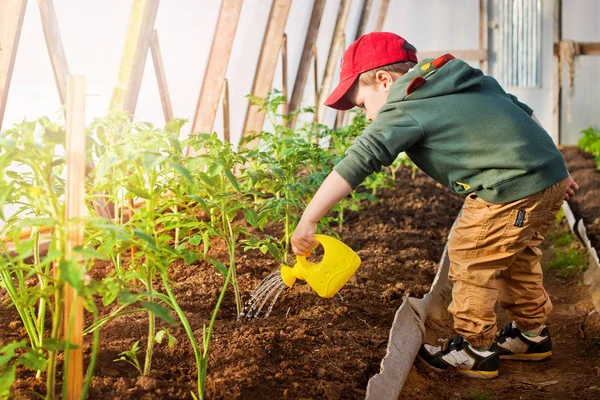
[494,255]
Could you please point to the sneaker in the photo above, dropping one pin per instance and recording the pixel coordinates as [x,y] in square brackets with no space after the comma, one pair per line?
[512,344]
[457,353]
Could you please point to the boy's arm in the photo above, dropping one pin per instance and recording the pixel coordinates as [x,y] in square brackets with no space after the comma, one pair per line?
[572,186]
[333,189]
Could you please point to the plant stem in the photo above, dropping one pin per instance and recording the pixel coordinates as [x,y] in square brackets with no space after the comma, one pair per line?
[94,355]
[56,321]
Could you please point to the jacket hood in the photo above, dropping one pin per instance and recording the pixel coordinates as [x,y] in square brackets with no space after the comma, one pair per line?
[433,78]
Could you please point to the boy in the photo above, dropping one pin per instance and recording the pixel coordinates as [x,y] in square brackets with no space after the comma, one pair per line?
[462,129]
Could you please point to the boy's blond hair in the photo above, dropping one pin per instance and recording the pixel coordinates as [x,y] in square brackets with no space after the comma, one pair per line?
[398,69]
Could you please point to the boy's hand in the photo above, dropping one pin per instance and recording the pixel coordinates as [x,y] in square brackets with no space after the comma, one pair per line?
[303,238]
[572,186]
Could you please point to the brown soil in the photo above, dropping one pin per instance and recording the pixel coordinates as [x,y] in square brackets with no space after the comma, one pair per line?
[585,204]
[573,371]
[309,347]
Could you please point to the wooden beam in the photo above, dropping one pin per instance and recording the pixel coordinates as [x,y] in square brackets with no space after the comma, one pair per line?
[585,48]
[364,18]
[267,63]
[161,77]
[75,208]
[135,53]
[337,47]
[462,54]
[382,13]
[218,60]
[55,47]
[483,33]
[12,13]
[307,54]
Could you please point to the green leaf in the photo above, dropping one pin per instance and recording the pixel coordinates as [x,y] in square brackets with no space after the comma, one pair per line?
[126,297]
[138,192]
[218,265]
[159,311]
[71,272]
[145,237]
[215,169]
[232,179]
[9,351]
[88,252]
[251,216]
[273,250]
[57,345]
[195,240]
[34,360]
[184,172]
[7,378]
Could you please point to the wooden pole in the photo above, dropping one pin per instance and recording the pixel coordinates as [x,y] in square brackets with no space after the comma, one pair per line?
[226,118]
[133,61]
[364,17]
[55,47]
[284,74]
[75,208]
[337,45]
[382,13]
[161,77]
[308,52]
[557,87]
[483,34]
[316,85]
[218,60]
[267,63]
[12,13]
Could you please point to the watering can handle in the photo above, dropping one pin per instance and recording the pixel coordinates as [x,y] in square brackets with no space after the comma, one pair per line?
[302,259]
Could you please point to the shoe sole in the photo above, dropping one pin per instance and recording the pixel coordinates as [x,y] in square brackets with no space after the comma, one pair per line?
[527,357]
[467,372]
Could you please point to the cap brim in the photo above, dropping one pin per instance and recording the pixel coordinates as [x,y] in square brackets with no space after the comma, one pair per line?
[337,99]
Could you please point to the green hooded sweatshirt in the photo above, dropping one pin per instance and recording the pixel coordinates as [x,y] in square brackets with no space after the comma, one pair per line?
[462,129]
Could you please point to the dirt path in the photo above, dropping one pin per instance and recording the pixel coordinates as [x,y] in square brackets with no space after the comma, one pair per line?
[573,372]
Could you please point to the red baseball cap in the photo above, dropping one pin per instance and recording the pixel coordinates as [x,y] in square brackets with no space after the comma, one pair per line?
[372,50]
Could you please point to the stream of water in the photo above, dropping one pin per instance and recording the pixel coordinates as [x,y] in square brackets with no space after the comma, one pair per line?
[269,289]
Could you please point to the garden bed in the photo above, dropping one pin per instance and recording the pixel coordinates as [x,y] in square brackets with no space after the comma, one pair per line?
[586,204]
[309,347]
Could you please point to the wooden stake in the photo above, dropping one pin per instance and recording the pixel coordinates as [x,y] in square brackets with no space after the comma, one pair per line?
[218,60]
[226,118]
[337,45]
[133,61]
[75,208]
[382,13]
[267,63]
[316,85]
[308,52]
[161,77]
[55,47]
[557,87]
[284,75]
[12,13]
[483,34]
[364,17]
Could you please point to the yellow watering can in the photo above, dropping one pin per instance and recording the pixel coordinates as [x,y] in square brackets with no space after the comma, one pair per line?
[338,264]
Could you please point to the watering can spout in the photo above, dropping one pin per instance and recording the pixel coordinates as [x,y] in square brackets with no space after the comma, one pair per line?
[327,277]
